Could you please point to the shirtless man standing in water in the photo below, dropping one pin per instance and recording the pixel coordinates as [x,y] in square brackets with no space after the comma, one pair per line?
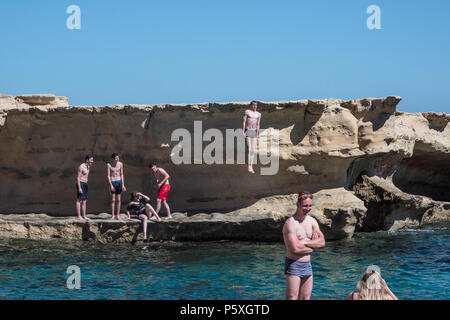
[82,186]
[162,179]
[301,235]
[116,183]
[250,128]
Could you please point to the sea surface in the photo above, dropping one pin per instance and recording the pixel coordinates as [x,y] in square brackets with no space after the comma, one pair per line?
[414,263]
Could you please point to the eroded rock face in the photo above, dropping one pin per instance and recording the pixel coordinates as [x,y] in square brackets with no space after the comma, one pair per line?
[337,211]
[389,208]
[262,221]
[323,144]
[42,100]
[426,172]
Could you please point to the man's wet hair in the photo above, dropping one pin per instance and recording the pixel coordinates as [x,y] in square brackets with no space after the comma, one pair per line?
[151,165]
[254,101]
[88,157]
[114,155]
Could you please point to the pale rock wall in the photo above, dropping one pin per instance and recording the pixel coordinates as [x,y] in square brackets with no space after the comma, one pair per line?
[324,144]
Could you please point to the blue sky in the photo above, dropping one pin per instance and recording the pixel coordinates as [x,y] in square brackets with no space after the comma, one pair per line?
[149,52]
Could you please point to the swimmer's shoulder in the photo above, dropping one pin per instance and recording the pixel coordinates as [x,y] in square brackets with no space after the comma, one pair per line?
[162,171]
[290,220]
[84,168]
[313,222]
[290,223]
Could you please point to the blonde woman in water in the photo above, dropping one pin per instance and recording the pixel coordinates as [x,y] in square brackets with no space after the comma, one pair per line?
[372,287]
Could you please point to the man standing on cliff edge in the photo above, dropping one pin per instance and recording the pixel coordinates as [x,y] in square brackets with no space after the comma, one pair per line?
[301,236]
[82,186]
[162,179]
[116,183]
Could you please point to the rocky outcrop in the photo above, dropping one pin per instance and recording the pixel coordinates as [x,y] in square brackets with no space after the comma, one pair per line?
[42,100]
[24,102]
[337,211]
[389,208]
[263,221]
[200,227]
[323,145]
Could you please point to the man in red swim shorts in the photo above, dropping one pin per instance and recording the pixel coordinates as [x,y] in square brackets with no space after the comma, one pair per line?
[162,179]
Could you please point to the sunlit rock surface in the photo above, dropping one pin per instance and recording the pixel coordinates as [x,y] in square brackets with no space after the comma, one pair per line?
[325,146]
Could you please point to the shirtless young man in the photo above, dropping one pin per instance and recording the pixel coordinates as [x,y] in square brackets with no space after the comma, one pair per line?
[250,127]
[301,235]
[116,183]
[82,186]
[162,179]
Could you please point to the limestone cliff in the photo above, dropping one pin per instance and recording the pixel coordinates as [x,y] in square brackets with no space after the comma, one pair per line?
[323,144]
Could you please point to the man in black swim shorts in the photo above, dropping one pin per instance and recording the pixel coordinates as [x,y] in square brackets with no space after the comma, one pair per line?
[301,234]
[116,184]
[82,186]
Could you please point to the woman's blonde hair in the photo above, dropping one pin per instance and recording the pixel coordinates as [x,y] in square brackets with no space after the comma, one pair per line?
[371,287]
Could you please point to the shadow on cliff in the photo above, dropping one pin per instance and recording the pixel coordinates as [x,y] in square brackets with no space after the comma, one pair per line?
[424,173]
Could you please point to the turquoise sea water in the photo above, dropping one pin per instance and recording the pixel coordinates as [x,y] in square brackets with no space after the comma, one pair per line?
[415,264]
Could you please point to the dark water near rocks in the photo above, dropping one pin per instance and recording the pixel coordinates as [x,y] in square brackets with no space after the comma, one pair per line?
[415,264]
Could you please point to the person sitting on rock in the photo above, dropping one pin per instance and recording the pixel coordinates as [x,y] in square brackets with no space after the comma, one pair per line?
[140,207]
[372,287]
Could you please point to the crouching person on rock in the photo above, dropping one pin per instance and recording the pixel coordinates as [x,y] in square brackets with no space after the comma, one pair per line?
[140,207]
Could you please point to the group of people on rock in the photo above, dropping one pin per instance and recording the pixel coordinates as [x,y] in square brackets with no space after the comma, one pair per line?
[301,232]
[139,203]
[138,206]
